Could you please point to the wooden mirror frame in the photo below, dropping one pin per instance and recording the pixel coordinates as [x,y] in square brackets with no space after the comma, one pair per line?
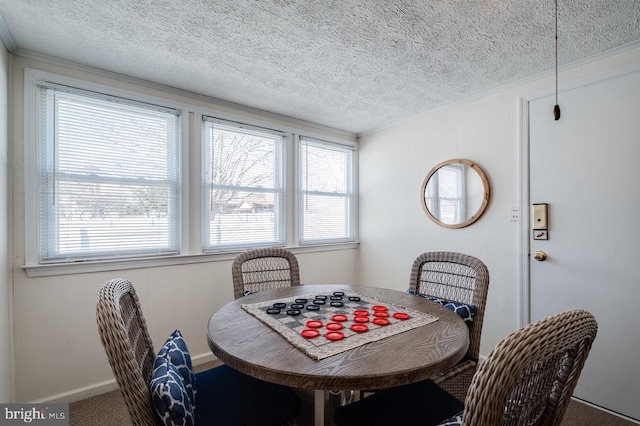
[483,205]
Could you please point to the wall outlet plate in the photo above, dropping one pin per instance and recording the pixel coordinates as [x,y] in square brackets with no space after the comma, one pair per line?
[514,214]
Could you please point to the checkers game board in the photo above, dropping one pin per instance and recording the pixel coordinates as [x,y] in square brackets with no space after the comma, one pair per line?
[323,325]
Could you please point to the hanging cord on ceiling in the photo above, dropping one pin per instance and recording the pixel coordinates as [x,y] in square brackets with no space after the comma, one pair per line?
[556,108]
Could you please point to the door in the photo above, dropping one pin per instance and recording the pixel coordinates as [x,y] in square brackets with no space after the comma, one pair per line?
[586,166]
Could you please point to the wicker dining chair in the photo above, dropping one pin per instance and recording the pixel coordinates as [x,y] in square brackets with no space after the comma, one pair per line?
[224,396]
[527,379]
[462,279]
[264,269]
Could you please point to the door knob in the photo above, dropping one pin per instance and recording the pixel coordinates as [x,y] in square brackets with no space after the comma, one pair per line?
[540,255]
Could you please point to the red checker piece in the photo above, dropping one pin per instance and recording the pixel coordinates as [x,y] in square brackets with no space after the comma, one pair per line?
[309,333]
[334,335]
[339,317]
[314,324]
[334,326]
[378,308]
[360,312]
[401,316]
[381,321]
[359,328]
[381,314]
[361,319]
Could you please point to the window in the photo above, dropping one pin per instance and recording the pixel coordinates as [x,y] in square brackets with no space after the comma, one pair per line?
[243,186]
[108,177]
[327,210]
[114,177]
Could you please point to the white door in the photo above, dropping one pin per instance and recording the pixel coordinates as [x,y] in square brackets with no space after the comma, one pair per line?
[586,166]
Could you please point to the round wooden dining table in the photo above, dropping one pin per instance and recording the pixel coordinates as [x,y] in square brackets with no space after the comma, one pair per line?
[246,344]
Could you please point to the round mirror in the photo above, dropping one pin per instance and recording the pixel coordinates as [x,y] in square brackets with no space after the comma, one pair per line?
[455,193]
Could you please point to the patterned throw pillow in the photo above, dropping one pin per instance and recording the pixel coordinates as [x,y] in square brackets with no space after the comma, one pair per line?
[176,351]
[173,384]
[466,312]
[169,394]
[453,421]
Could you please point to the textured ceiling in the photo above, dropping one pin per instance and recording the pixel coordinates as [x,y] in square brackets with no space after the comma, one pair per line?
[352,65]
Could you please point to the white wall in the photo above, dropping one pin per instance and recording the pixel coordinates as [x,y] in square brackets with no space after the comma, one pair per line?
[394,162]
[58,355]
[5,257]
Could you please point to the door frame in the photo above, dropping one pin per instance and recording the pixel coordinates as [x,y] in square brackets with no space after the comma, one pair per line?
[524,202]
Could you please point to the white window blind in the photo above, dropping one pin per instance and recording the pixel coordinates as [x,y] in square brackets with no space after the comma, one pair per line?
[327,200]
[108,177]
[243,186]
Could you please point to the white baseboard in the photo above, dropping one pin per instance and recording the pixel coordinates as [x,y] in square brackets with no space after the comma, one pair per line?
[613,413]
[203,358]
[79,393]
[103,387]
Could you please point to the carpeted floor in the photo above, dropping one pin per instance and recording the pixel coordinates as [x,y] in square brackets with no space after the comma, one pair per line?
[109,409]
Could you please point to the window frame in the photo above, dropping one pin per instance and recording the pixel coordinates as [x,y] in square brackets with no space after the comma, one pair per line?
[350,195]
[281,158]
[192,108]
[49,234]
[32,80]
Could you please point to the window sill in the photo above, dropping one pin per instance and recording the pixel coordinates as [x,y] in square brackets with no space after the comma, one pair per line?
[34,271]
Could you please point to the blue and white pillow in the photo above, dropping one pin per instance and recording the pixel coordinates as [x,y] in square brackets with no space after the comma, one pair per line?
[175,349]
[169,394]
[453,421]
[466,312]
[173,383]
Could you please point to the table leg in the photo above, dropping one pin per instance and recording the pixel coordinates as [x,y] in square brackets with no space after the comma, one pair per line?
[325,402]
[318,408]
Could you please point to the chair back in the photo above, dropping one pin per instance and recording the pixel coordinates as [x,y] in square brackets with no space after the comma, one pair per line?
[529,377]
[457,277]
[124,335]
[264,269]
